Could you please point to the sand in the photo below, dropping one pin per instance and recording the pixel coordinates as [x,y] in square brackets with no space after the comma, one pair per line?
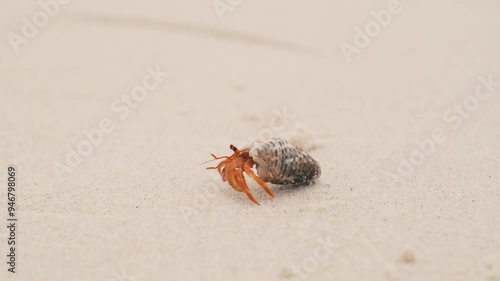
[407,135]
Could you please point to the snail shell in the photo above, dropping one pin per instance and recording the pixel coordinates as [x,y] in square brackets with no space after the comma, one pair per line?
[281,162]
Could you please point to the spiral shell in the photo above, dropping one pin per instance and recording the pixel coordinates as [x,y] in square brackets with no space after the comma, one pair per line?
[280,162]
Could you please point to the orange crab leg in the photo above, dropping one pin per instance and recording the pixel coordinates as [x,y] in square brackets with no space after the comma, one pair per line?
[219,167]
[231,179]
[246,190]
[221,157]
[239,181]
[248,170]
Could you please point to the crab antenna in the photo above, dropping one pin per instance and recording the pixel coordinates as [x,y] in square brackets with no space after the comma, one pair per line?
[207,161]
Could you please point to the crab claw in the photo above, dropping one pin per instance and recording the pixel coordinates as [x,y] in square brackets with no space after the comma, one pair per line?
[237,181]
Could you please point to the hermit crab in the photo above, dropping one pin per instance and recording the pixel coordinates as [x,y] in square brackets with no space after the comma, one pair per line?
[277,161]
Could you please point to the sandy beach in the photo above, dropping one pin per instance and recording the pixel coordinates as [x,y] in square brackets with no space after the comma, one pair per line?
[108,111]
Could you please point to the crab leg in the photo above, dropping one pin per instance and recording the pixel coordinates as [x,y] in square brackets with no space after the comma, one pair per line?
[221,157]
[248,169]
[231,179]
[240,181]
[218,166]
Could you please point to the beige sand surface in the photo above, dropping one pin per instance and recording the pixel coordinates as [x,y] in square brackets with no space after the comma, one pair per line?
[141,207]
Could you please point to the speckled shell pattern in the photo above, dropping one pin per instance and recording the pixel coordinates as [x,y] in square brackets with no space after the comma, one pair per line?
[281,162]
